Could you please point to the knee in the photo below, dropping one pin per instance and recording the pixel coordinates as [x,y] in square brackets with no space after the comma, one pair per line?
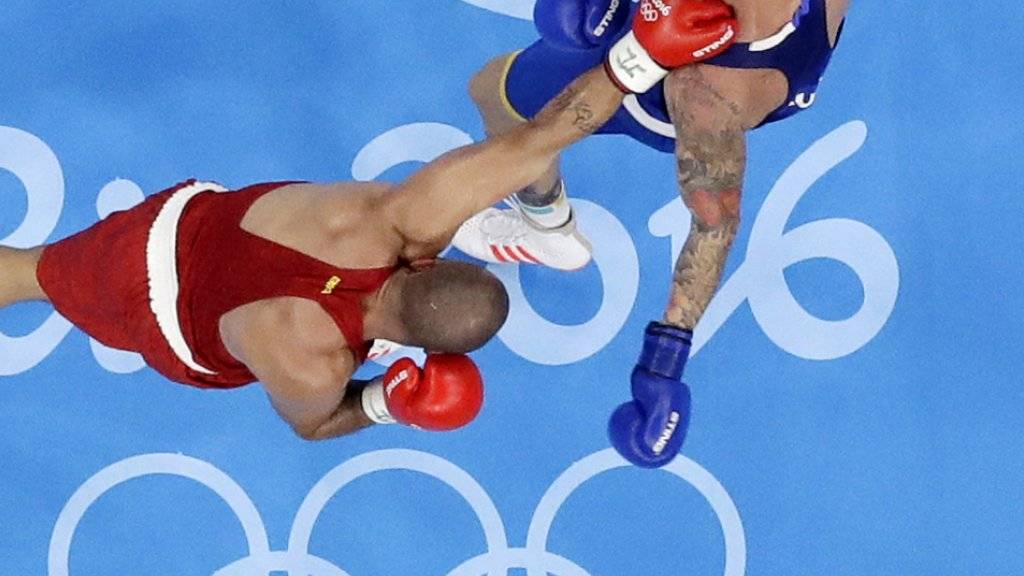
[484,85]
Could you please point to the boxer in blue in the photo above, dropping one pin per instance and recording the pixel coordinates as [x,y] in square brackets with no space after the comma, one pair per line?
[701,113]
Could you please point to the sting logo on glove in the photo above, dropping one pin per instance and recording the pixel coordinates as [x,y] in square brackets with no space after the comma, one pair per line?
[447,393]
[649,430]
[716,45]
[666,435]
[606,21]
[395,380]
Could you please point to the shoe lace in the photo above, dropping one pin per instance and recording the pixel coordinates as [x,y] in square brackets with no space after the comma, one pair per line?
[512,202]
[505,227]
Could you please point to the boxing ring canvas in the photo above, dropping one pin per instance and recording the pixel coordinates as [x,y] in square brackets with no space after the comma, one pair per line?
[857,403]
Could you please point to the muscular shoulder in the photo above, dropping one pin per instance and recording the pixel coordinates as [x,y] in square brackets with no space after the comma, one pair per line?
[342,223]
[360,220]
[331,206]
[288,339]
[711,95]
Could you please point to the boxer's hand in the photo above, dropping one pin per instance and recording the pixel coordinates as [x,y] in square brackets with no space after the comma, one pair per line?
[580,24]
[446,394]
[649,430]
[669,34]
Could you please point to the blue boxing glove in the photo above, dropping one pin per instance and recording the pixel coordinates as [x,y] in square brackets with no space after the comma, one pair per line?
[581,24]
[649,430]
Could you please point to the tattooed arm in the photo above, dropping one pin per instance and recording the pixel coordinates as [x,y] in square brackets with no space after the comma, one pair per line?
[710,148]
[711,154]
[427,208]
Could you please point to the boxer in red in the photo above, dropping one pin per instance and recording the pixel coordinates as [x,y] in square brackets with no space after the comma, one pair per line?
[286,283]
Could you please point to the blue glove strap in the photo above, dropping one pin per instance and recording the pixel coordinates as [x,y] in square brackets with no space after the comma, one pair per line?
[666,349]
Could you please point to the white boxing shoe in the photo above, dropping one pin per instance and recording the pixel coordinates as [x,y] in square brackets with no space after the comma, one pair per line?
[507,236]
[381,348]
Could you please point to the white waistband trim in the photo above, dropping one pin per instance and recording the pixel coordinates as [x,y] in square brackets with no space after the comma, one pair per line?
[773,40]
[637,111]
[162,270]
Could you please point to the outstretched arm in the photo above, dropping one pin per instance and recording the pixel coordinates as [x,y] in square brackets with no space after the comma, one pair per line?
[711,154]
[489,93]
[428,207]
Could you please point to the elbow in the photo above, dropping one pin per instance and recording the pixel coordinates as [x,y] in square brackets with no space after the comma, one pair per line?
[310,434]
[480,87]
[730,203]
[715,209]
[485,86]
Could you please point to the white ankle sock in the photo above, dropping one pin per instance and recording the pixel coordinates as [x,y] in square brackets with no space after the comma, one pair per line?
[551,216]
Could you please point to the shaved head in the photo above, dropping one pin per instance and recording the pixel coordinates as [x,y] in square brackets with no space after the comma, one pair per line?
[452,307]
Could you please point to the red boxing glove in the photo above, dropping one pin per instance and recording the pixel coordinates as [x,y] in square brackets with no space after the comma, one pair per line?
[669,34]
[446,394]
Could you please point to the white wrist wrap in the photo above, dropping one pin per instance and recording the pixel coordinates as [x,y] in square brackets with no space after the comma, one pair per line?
[374,404]
[632,67]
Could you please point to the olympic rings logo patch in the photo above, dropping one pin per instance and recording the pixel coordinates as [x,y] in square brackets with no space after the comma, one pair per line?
[648,12]
[297,559]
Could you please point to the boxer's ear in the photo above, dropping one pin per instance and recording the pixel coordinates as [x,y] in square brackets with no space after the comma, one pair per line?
[422,264]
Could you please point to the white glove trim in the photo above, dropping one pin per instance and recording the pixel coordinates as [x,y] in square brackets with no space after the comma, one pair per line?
[375,404]
[632,67]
